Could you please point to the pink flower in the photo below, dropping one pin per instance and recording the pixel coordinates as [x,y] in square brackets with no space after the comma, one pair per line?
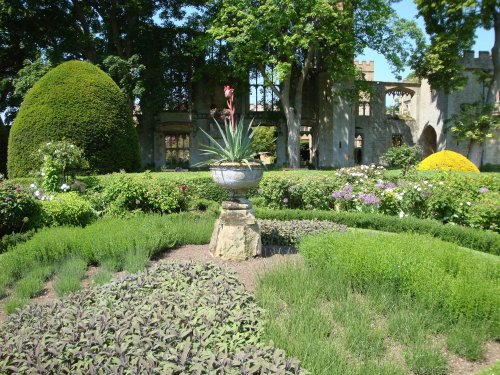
[183,187]
[228,92]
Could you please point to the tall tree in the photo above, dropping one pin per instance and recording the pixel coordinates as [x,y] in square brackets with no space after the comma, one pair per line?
[296,36]
[452,26]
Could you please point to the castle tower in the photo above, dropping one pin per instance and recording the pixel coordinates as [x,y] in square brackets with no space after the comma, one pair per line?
[367,67]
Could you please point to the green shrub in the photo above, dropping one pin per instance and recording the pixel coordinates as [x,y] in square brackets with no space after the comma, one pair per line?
[8,241]
[66,209]
[78,102]
[198,185]
[106,241]
[17,208]
[275,191]
[484,241]
[403,156]
[490,168]
[61,160]
[459,282]
[485,212]
[142,193]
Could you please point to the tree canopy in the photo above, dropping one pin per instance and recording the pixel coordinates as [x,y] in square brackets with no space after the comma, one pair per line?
[287,39]
[452,26]
[137,42]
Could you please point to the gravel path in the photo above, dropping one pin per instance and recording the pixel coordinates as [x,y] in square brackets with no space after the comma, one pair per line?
[248,271]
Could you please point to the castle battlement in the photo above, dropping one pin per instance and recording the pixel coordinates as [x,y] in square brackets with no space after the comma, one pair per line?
[365,64]
[482,61]
[367,67]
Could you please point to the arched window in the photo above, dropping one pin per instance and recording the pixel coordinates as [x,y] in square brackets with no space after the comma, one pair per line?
[398,101]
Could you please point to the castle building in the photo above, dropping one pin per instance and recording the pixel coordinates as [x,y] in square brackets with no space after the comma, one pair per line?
[341,132]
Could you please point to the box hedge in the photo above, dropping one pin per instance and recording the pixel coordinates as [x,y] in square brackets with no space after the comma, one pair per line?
[78,102]
[485,241]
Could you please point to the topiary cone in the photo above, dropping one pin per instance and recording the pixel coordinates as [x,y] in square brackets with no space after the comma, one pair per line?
[447,161]
[78,102]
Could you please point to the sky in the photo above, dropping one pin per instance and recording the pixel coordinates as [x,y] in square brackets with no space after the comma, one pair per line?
[407,9]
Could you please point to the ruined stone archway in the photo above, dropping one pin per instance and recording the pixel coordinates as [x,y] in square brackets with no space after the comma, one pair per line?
[429,138]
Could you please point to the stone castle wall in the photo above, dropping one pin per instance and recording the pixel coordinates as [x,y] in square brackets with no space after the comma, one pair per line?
[335,120]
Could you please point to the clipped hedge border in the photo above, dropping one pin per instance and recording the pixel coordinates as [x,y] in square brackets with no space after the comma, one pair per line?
[484,241]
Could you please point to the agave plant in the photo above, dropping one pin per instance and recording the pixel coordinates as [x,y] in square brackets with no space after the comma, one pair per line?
[236,145]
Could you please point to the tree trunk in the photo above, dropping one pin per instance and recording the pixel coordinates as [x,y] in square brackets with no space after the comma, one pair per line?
[89,50]
[475,153]
[293,123]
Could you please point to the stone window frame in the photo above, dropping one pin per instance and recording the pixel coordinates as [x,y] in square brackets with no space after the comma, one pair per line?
[176,148]
[269,101]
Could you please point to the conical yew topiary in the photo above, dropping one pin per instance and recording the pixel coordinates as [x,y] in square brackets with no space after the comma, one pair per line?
[78,102]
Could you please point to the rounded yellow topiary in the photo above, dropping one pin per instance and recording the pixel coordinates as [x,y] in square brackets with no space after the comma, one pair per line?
[447,161]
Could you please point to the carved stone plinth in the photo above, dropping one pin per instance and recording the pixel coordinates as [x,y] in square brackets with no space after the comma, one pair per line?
[236,234]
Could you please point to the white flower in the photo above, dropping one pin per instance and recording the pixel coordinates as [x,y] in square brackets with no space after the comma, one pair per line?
[441,183]
[33,186]
[389,190]
[419,189]
[426,182]
[65,187]
[401,214]
[430,185]
[468,203]
[51,197]
[38,193]
[461,204]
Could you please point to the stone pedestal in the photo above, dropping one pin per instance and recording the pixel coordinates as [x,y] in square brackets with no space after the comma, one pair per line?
[236,234]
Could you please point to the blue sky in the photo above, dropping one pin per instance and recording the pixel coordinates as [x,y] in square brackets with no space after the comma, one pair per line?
[407,9]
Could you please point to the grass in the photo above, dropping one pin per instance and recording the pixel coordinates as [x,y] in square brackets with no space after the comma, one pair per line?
[69,276]
[493,370]
[114,243]
[369,303]
[102,276]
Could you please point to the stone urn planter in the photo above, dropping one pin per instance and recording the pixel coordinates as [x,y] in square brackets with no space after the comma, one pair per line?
[237,178]
[236,235]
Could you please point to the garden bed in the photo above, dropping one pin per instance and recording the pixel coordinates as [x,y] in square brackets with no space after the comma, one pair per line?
[177,317]
[375,303]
